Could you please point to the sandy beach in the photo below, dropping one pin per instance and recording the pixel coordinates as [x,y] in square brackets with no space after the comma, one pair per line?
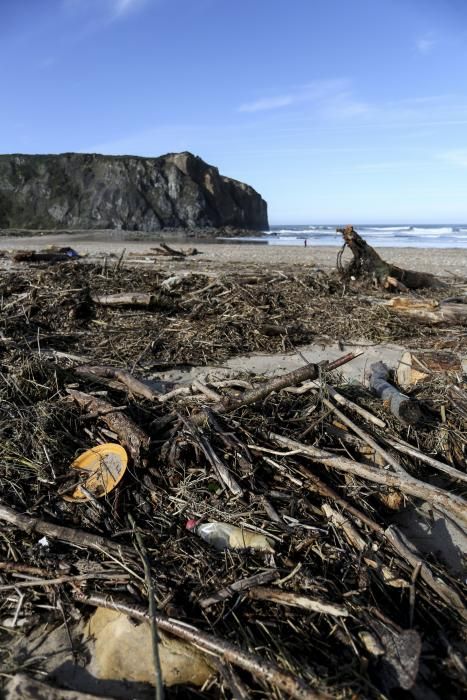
[441,261]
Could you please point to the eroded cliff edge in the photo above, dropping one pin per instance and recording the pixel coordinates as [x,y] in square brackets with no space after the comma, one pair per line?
[91,191]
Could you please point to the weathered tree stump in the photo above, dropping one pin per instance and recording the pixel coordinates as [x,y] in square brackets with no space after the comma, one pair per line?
[366,261]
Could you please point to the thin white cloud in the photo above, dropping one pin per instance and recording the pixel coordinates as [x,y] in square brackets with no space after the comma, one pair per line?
[123,7]
[455,156]
[267,103]
[113,9]
[310,92]
[425,44]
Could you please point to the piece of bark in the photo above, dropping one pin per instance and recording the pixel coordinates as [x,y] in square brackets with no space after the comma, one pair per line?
[366,261]
[429,311]
[133,439]
[417,366]
[401,406]
[23,687]
[125,299]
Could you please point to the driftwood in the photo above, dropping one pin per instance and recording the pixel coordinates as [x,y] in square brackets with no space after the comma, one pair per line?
[417,366]
[55,255]
[429,311]
[164,249]
[125,299]
[134,385]
[401,406]
[366,261]
[79,538]
[129,434]
[297,600]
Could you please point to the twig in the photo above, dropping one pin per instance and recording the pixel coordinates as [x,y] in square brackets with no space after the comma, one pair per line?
[129,434]
[237,586]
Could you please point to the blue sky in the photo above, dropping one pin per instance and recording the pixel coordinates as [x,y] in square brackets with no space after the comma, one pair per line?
[335,110]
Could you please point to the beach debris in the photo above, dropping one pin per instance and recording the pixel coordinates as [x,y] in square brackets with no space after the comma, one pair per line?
[418,366]
[125,299]
[307,459]
[366,261]
[103,467]
[401,406]
[52,255]
[297,600]
[429,311]
[225,536]
[164,249]
[121,649]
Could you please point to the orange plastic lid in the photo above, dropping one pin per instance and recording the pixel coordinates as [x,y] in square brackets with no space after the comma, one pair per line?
[106,465]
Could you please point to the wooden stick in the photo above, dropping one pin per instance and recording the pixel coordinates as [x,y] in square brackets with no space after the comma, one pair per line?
[257,666]
[344,401]
[242,584]
[125,299]
[134,385]
[80,538]
[367,438]
[32,583]
[407,449]
[439,498]
[295,600]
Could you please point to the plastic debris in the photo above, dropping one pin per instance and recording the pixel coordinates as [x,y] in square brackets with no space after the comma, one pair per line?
[226,536]
[104,466]
[121,650]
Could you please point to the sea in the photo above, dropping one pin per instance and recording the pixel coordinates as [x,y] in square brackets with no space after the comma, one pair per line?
[395,235]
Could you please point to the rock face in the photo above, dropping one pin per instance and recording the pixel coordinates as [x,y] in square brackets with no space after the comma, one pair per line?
[89,191]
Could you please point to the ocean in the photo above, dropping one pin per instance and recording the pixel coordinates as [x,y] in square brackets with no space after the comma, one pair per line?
[395,236]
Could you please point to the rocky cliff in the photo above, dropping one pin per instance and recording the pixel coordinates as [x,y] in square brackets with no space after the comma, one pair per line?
[89,191]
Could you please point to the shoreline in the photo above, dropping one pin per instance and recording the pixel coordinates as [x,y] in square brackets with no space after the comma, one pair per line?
[440,261]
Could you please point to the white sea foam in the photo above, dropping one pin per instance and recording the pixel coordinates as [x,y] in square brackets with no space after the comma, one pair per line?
[403,235]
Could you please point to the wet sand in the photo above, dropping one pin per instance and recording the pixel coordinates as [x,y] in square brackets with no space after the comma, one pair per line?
[441,261]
